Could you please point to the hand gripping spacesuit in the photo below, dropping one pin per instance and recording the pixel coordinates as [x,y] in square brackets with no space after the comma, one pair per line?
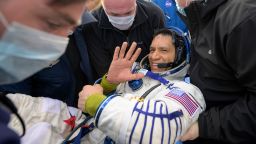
[156,109]
[45,118]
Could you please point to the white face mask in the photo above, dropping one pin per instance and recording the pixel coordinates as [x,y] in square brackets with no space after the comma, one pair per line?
[122,23]
[25,51]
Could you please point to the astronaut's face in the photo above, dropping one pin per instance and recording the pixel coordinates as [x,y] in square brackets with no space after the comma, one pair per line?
[162,50]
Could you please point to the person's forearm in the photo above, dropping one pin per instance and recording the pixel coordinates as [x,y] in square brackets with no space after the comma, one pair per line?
[93,102]
[108,87]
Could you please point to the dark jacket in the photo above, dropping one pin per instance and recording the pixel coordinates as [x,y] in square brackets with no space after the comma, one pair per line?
[102,37]
[223,66]
[56,81]
[7,135]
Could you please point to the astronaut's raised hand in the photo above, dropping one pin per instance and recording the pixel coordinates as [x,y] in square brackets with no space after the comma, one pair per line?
[120,68]
[88,91]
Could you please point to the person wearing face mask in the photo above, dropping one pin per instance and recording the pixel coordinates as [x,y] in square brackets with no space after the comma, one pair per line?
[31,40]
[23,57]
[118,21]
[55,80]
[223,66]
[155,109]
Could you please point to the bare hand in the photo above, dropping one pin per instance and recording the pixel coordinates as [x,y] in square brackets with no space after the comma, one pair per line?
[87,91]
[120,68]
[192,133]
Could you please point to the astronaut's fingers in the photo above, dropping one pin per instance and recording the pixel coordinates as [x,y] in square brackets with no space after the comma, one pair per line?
[135,55]
[116,53]
[131,51]
[123,49]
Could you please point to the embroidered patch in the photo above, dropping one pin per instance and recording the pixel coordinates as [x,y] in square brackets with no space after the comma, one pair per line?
[71,121]
[137,98]
[188,103]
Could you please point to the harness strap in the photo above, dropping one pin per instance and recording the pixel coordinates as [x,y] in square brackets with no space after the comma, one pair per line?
[149,91]
[83,131]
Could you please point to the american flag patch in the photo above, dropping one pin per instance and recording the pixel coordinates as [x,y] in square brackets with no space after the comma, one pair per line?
[188,103]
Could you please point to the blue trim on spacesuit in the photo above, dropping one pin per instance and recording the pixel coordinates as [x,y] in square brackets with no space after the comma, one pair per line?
[177,127]
[168,116]
[162,124]
[169,127]
[152,126]
[135,121]
[145,121]
[180,125]
[162,116]
[157,77]
[101,107]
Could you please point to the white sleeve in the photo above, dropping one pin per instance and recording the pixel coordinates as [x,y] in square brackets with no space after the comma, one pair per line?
[161,119]
[43,117]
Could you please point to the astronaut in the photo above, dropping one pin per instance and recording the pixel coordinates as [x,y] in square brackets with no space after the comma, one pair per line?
[152,103]
[160,107]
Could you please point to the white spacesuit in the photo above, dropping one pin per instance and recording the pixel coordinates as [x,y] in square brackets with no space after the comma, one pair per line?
[156,109]
[168,108]
[160,107]
[158,117]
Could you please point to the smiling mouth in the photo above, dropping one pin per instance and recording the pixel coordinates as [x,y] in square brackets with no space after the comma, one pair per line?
[155,64]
